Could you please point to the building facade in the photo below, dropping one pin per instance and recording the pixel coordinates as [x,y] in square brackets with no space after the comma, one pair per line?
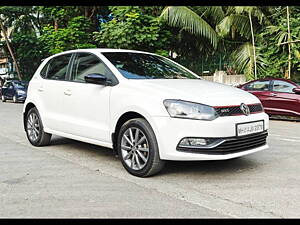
[6,65]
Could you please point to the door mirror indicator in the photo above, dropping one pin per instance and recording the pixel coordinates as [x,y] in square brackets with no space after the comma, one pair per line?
[96,78]
[296,90]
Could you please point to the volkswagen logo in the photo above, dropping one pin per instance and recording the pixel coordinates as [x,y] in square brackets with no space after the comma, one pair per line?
[245,109]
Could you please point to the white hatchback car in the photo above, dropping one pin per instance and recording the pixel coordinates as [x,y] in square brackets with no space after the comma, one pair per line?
[145,107]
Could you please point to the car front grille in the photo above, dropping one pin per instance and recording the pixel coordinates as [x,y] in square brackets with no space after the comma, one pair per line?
[236,110]
[233,144]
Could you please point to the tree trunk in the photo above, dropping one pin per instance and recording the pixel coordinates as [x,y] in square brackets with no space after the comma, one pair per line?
[86,11]
[38,20]
[93,11]
[55,25]
[253,44]
[10,50]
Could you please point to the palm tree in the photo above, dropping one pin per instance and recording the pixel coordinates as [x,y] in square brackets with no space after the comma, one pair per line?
[189,20]
[244,59]
[240,19]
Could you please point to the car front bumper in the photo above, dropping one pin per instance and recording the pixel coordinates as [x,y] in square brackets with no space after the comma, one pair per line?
[21,97]
[170,131]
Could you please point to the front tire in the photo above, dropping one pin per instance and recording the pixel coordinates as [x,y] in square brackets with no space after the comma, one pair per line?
[35,130]
[138,149]
[3,98]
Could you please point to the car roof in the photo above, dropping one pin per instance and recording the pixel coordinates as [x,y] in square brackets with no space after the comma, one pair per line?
[97,50]
[273,78]
[270,78]
[103,50]
[19,81]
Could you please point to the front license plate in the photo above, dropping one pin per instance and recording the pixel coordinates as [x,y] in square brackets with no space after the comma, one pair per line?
[249,128]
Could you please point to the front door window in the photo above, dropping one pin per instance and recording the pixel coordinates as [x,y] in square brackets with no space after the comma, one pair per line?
[259,86]
[86,63]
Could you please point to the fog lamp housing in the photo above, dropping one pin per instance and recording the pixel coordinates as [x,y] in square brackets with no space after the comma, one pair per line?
[199,142]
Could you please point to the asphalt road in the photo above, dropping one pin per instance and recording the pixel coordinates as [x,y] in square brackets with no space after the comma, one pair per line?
[77,180]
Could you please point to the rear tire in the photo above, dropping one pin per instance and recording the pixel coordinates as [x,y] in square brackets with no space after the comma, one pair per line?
[138,151]
[35,130]
[3,98]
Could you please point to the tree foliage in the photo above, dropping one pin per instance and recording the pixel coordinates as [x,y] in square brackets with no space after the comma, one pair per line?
[197,35]
[131,28]
[29,57]
[185,18]
[75,35]
[271,38]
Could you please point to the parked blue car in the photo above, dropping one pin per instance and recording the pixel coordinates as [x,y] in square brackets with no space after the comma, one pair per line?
[14,90]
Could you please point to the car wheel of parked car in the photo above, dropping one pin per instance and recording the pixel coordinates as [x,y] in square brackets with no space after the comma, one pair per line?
[3,98]
[35,130]
[15,99]
[138,149]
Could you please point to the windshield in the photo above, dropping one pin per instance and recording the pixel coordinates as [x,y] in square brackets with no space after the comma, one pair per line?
[20,85]
[146,66]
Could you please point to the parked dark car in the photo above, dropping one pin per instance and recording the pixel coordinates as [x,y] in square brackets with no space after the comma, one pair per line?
[14,90]
[278,96]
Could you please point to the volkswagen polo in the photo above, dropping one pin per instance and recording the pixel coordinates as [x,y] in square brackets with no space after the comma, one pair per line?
[145,107]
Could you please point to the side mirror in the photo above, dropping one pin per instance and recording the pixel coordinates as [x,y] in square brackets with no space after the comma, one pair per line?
[96,78]
[296,90]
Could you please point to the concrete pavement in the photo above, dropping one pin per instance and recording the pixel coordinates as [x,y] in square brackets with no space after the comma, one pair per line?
[74,179]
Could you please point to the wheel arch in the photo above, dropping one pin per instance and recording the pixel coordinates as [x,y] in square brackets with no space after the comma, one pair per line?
[29,106]
[123,119]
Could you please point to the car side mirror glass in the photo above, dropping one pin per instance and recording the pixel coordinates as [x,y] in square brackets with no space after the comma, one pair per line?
[296,90]
[96,78]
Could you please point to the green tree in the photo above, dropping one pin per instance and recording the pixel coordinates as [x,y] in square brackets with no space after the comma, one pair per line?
[194,37]
[271,39]
[76,35]
[246,21]
[189,20]
[18,20]
[131,28]
[57,16]
[29,52]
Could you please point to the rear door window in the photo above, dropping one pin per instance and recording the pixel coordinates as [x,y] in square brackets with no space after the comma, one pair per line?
[263,85]
[44,71]
[282,86]
[57,68]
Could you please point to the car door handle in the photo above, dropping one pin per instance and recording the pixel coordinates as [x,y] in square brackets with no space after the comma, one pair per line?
[68,92]
[272,94]
[40,89]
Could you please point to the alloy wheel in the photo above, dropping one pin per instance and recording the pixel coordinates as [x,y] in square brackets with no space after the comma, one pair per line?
[135,148]
[33,127]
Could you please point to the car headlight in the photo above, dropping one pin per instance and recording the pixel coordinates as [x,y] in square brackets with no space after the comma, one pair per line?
[189,110]
[20,92]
